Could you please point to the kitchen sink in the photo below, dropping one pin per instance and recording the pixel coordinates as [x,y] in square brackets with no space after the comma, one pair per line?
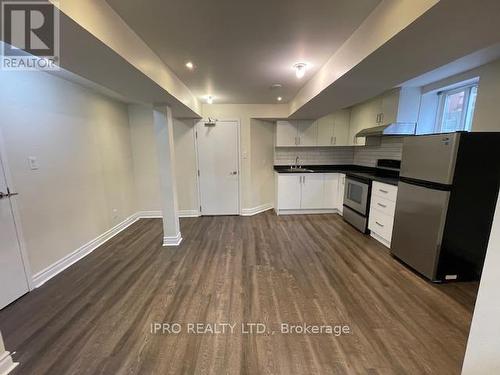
[298,170]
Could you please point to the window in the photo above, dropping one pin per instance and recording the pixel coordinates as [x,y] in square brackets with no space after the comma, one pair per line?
[456,109]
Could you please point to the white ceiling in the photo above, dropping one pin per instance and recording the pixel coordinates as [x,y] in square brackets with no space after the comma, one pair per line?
[241,48]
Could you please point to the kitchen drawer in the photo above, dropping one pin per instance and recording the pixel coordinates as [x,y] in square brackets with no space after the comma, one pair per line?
[381,224]
[383,205]
[386,191]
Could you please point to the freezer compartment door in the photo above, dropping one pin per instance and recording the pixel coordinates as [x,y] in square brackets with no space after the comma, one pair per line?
[418,227]
[430,158]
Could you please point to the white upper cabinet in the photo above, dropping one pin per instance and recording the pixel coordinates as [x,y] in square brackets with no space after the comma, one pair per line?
[400,105]
[341,128]
[286,133]
[333,130]
[308,132]
[326,127]
[296,133]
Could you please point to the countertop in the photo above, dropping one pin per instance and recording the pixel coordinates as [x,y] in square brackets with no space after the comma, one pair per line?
[361,172]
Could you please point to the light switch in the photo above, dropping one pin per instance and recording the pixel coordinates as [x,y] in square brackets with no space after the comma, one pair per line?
[33,163]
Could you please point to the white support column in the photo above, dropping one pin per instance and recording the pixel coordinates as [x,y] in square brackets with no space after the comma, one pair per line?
[164,134]
[6,363]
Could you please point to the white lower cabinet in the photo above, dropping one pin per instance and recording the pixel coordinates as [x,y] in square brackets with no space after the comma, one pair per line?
[307,193]
[382,210]
[289,191]
[313,191]
[331,193]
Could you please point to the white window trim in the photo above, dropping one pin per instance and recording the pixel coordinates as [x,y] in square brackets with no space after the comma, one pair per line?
[442,101]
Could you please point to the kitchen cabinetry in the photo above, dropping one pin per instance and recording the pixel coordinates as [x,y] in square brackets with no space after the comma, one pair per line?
[295,133]
[307,193]
[363,116]
[313,191]
[286,133]
[382,211]
[333,130]
[398,108]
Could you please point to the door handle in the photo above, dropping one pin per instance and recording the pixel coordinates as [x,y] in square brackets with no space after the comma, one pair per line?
[382,205]
[380,225]
[233,173]
[383,191]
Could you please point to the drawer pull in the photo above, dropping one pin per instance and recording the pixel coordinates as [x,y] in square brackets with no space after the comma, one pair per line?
[380,225]
[382,205]
[383,191]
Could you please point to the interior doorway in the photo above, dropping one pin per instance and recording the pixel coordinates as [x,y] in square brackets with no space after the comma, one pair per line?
[217,144]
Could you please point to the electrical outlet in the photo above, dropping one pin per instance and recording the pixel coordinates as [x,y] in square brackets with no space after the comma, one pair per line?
[115,213]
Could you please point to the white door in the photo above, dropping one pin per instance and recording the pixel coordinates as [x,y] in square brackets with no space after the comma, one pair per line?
[331,194]
[312,191]
[13,282]
[289,191]
[286,134]
[218,166]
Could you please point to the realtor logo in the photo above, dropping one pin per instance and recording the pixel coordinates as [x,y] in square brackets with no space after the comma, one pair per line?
[30,35]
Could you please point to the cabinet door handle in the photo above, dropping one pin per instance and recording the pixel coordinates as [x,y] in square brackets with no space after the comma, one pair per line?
[382,205]
[331,140]
[383,191]
[380,225]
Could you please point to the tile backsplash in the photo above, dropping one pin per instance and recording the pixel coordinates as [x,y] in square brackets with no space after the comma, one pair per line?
[313,155]
[376,148]
[383,148]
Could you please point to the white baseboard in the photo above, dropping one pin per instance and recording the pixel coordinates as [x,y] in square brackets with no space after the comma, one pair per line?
[149,214]
[172,240]
[189,213]
[6,363]
[43,276]
[307,212]
[256,210]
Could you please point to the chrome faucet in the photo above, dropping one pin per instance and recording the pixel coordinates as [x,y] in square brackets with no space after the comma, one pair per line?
[297,161]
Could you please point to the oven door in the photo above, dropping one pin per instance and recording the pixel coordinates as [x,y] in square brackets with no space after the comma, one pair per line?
[356,195]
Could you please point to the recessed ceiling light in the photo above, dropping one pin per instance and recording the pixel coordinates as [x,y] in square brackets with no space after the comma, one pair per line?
[276,86]
[279,98]
[300,69]
[210,99]
[190,65]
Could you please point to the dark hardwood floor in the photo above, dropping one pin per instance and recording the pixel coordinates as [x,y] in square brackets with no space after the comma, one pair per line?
[95,318]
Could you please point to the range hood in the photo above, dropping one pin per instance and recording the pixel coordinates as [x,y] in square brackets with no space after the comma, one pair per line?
[394,129]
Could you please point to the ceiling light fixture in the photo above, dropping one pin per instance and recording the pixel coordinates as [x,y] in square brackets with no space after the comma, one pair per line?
[279,98]
[300,69]
[210,99]
[190,65]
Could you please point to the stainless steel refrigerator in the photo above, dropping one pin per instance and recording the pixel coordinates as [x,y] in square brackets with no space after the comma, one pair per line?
[445,205]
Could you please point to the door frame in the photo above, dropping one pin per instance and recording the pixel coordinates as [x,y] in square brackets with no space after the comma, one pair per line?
[16,215]
[197,156]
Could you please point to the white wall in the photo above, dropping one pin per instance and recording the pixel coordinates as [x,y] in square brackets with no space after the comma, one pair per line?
[482,356]
[82,142]
[186,168]
[262,135]
[487,114]
[145,161]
